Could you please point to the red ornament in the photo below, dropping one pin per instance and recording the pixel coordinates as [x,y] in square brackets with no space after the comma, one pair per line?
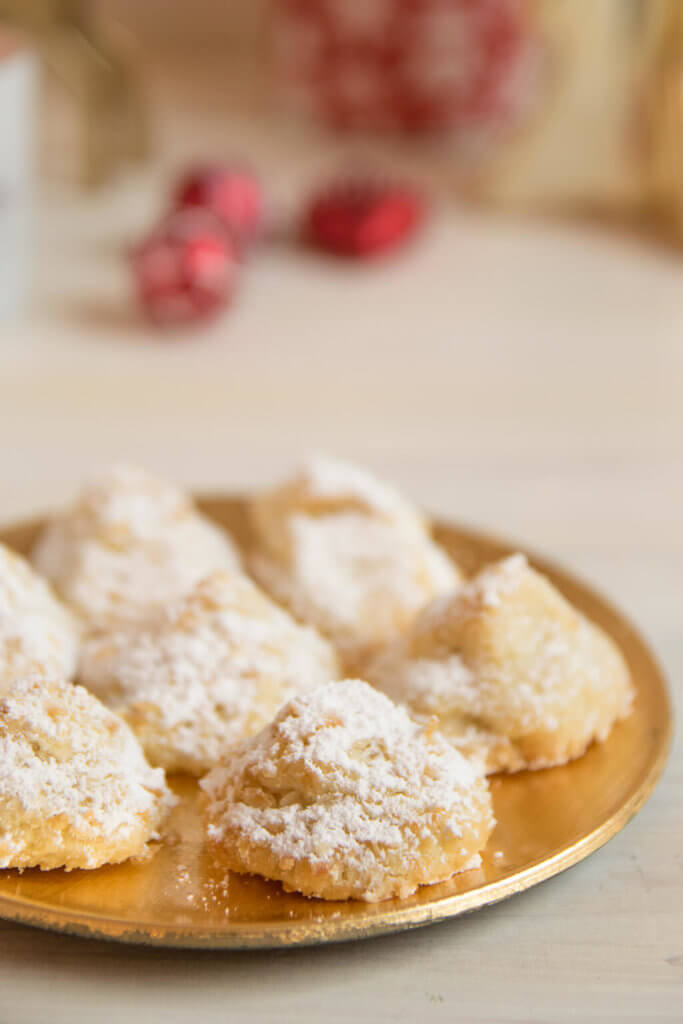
[362,218]
[418,66]
[232,193]
[186,269]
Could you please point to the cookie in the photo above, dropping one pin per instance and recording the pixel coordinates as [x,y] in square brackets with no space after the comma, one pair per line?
[512,674]
[75,788]
[344,796]
[38,634]
[202,674]
[129,543]
[347,554]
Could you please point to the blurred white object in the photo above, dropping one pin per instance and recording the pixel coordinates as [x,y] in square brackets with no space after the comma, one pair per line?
[17,118]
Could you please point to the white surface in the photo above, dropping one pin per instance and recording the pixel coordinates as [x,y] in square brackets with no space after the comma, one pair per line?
[527,378]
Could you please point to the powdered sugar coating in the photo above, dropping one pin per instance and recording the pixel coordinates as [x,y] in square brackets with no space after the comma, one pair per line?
[343,795]
[513,674]
[208,670]
[348,554]
[38,635]
[129,543]
[324,479]
[75,788]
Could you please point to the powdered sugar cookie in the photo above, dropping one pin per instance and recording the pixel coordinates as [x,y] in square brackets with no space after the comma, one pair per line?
[75,788]
[38,635]
[205,672]
[512,673]
[129,542]
[344,796]
[348,554]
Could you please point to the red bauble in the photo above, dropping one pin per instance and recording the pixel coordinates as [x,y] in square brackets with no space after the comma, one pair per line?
[231,192]
[464,67]
[362,218]
[186,269]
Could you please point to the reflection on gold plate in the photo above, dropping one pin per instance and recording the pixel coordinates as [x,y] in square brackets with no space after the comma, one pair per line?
[547,821]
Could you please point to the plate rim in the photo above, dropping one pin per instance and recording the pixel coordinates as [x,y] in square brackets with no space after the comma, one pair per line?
[290,934]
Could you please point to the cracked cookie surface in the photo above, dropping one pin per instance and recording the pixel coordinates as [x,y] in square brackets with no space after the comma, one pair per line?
[348,554]
[205,672]
[38,634]
[343,796]
[75,788]
[129,543]
[512,674]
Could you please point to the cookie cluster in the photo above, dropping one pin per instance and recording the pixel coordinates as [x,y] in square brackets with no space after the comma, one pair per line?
[340,689]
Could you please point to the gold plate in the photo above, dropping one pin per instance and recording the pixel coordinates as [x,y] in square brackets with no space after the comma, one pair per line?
[547,821]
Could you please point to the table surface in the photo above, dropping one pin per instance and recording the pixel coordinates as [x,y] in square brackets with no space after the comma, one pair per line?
[524,377]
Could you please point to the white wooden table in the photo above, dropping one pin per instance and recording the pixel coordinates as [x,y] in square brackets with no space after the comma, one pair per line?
[526,378]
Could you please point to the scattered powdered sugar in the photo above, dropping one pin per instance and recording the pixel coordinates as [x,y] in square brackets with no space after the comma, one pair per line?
[344,776]
[37,633]
[130,542]
[206,671]
[65,758]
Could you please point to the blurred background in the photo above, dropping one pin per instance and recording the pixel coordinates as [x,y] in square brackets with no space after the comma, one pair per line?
[439,237]
[515,363]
